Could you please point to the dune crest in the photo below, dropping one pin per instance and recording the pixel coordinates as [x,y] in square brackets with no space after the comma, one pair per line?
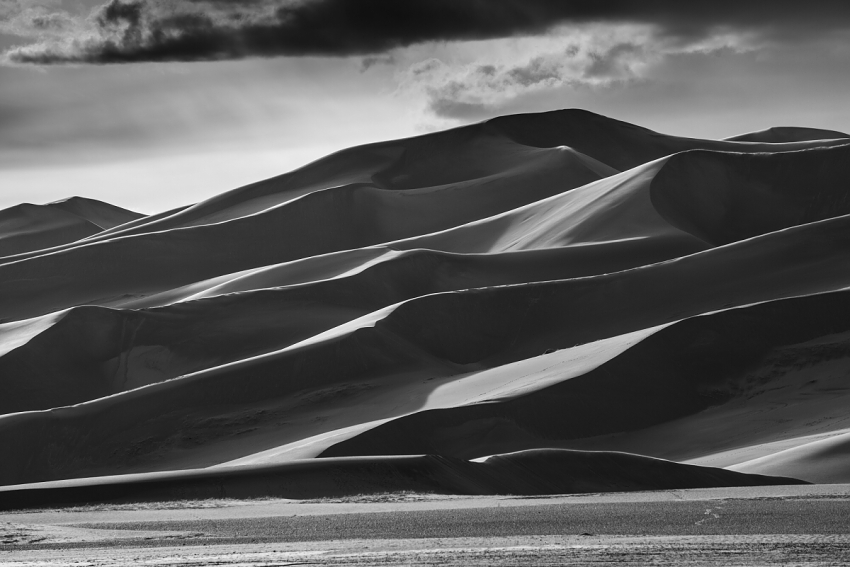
[27,228]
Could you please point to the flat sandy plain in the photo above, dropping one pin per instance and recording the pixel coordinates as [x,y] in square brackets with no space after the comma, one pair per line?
[779,525]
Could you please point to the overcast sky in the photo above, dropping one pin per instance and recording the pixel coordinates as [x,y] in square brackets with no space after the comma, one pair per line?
[151,104]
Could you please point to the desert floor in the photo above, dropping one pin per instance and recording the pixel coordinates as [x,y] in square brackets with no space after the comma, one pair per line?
[796,525]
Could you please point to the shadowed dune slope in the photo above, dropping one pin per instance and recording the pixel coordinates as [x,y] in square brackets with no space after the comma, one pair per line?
[437,335]
[325,221]
[90,352]
[470,163]
[528,473]
[27,227]
[615,208]
[660,200]
[710,198]
[457,159]
[104,215]
[701,386]
[619,144]
[723,197]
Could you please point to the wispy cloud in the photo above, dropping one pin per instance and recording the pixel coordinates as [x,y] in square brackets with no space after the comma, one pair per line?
[603,57]
[125,31]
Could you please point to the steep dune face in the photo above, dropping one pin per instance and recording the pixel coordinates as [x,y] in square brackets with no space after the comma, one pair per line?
[695,383]
[533,282]
[723,197]
[25,228]
[613,209]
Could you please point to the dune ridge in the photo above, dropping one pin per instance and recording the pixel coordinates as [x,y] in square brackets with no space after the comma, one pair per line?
[558,284]
[27,227]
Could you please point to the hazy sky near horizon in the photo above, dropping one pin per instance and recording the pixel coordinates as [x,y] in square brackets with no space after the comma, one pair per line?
[151,104]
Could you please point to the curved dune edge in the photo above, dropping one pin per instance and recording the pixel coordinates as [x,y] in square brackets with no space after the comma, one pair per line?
[645,203]
[490,327]
[147,346]
[731,381]
[498,310]
[821,460]
[603,145]
[527,473]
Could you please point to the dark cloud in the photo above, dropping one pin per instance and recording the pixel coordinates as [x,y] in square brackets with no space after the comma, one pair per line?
[191,30]
[371,60]
[447,107]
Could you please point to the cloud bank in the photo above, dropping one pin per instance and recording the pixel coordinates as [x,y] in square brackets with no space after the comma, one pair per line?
[127,31]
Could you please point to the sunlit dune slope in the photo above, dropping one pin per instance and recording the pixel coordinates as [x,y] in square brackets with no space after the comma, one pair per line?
[90,352]
[632,204]
[340,218]
[530,283]
[439,335]
[472,158]
[693,390]
[819,458]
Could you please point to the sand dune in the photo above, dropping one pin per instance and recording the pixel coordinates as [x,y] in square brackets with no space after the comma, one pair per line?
[90,352]
[339,218]
[601,145]
[533,282]
[781,134]
[469,156]
[821,460]
[531,472]
[723,198]
[432,336]
[26,227]
[629,205]
[704,386]
[622,145]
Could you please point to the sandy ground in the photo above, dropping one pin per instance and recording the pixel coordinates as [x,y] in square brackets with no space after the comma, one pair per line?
[803,550]
[800,525]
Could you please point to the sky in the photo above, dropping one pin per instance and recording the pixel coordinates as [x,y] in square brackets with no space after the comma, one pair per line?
[154,104]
